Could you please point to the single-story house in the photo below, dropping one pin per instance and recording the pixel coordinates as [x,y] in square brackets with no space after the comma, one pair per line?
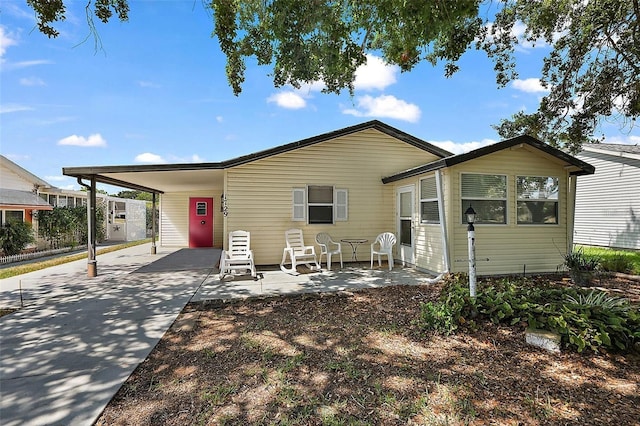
[22,193]
[367,179]
[608,202]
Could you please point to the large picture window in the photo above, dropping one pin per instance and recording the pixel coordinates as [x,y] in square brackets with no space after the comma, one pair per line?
[318,204]
[488,196]
[429,212]
[537,200]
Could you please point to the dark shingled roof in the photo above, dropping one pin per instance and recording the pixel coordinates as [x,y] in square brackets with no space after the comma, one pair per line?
[585,168]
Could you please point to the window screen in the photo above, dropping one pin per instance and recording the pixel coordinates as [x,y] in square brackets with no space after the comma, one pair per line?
[429,212]
[487,194]
[537,200]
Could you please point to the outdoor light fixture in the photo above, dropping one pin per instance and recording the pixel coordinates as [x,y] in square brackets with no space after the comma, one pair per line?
[471,216]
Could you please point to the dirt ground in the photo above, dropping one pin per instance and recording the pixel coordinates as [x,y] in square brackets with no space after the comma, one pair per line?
[358,359]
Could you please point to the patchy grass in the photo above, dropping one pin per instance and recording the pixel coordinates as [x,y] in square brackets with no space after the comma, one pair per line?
[12,271]
[626,261]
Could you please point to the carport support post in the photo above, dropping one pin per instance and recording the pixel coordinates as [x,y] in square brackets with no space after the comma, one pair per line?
[92,265]
[153,225]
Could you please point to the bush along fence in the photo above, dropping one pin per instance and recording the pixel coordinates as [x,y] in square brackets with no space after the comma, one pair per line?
[4,260]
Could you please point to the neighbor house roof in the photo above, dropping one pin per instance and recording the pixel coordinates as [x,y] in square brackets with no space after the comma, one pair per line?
[14,199]
[125,175]
[581,168]
[619,150]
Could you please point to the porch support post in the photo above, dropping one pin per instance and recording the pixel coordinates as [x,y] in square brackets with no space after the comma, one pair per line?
[92,263]
[153,224]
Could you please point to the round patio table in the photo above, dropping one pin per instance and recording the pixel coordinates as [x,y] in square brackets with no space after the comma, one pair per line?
[354,243]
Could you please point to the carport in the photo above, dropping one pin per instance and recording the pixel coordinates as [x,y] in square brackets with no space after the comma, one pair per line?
[154,179]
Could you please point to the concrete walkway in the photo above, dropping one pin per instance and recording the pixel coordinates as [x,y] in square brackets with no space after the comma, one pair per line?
[65,354]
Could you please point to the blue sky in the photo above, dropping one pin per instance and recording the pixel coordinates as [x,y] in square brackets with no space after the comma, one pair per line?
[157,93]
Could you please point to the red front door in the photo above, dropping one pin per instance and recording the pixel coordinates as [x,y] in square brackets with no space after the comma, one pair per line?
[200,222]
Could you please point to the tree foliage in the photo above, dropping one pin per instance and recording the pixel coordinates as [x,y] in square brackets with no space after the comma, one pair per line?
[592,70]
[67,226]
[15,235]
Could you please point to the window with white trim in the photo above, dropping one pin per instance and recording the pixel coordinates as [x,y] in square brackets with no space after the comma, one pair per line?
[429,211]
[487,194]
[317,204]
[537,200]
[11,215]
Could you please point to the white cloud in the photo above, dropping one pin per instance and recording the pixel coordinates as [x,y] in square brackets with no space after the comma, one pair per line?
[56,178]
[32,81]
[148,84]
[625,140]
[462,147]
[219,119]
[92,141]
[26,64]
[375,74]
[148,157]
[529,85]
[385,106]
[6,40]
[288,100]
[4,109]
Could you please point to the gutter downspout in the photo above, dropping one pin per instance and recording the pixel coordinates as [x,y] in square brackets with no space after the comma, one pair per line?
[443,222]
[92,264]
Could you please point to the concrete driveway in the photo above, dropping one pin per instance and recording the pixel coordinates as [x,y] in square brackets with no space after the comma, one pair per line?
[65,354]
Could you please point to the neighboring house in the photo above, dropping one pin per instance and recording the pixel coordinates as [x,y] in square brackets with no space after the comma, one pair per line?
[22,193]
[19,193]
[608,202]
[366,179]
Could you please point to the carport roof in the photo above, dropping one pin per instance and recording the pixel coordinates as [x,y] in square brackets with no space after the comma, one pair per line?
[193,176]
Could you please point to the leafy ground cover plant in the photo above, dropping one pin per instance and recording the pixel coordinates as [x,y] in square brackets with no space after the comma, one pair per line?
[584,319]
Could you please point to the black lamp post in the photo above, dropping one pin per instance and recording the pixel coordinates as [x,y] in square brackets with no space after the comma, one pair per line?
[470,213]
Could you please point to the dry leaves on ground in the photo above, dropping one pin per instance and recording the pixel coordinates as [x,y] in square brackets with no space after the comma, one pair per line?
[357,358]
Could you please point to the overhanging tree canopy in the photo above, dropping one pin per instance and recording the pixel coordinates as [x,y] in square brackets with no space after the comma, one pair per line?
[592,70]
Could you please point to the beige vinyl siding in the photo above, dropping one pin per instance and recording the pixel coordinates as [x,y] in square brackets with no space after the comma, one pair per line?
[608,202]
[260,193]
[510,248]
[174,219]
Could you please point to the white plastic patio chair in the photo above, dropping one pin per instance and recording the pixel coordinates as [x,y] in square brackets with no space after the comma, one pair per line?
[298,252]
[385,242]
[328,247]
[239,257]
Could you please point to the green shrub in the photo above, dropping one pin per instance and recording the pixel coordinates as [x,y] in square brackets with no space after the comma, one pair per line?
[617,263]
[15,235]
[584,319]
[626,261]
[578,260]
